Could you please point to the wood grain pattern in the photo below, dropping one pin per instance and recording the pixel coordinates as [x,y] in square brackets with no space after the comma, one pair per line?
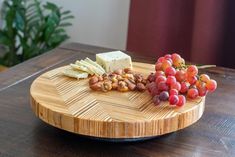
[69,104]
[22,134]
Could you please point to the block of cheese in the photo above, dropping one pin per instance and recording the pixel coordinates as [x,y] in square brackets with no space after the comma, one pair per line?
[114,60]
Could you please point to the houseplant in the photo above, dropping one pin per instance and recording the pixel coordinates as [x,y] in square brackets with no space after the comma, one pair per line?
[31,28]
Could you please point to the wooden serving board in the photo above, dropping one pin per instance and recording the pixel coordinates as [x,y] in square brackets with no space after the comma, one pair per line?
[71,105]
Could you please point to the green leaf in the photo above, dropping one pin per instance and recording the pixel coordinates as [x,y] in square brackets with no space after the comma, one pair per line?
[4,39]
[56,40]
[66,12]
[67,17]
[32,5]
[60,30]
[10,16]
[48,32]
[31,27]
[6,4]
[51,6]
[19,21]
[54,17]
[65,24]
[33,18]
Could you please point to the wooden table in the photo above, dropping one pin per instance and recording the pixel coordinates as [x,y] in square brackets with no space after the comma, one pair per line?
[22,134]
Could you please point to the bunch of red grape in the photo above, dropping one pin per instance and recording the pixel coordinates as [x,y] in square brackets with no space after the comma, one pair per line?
[173,81]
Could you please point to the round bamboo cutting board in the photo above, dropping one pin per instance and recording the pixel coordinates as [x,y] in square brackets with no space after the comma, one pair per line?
[71,105]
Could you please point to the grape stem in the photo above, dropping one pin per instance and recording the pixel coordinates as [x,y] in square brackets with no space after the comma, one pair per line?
[206,66]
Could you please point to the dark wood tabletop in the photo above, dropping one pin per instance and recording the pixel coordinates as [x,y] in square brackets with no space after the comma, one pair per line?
[22,134]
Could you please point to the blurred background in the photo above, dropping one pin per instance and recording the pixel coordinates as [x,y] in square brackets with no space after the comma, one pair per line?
[202,31]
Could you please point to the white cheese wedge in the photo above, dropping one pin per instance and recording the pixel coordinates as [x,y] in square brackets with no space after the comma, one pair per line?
[81,68]
[75,74]
[111,61]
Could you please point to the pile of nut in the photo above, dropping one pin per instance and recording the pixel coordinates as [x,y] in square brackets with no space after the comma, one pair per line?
[121,80]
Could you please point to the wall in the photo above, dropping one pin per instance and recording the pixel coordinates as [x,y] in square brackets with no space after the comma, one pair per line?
[98,22]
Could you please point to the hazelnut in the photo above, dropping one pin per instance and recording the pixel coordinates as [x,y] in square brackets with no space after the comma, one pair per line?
[132,81]
[138,77]
[93,80]
[122,83]
[122,86]
[129,76]
[130,85]
[144,81]
[140,87]
[107,85]
[114,85]
[113,77]
[120,78]
[97,86]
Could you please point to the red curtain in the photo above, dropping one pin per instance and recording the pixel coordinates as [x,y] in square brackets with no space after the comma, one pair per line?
[200,30]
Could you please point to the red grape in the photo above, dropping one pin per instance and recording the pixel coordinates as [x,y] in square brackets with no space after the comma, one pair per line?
[162,86]
[159,73]
[151,86]
[173,99]
[198,83]
[176,86]
[178,62]
[156,100]
[172,77]
[192,79]
[211,85]
[170,80]
[170,60]
[170,71]
[202,91]
[175,56]
[164,96]
[182,101]
[155,91]
[152,77]
[167,56]
[181,75]
[192,70]
[161,59]
[184,87]
[192,93]
[173,92]
[166,64]
[160,79]
[204,78]
[158,66]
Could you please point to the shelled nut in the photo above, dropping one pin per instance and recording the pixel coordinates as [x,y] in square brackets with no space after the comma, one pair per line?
[140,87]
[97,86]
[130,85]
[107,86]
[138,78]
[114,85]
[93,80]
[121,80]
[122,86]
